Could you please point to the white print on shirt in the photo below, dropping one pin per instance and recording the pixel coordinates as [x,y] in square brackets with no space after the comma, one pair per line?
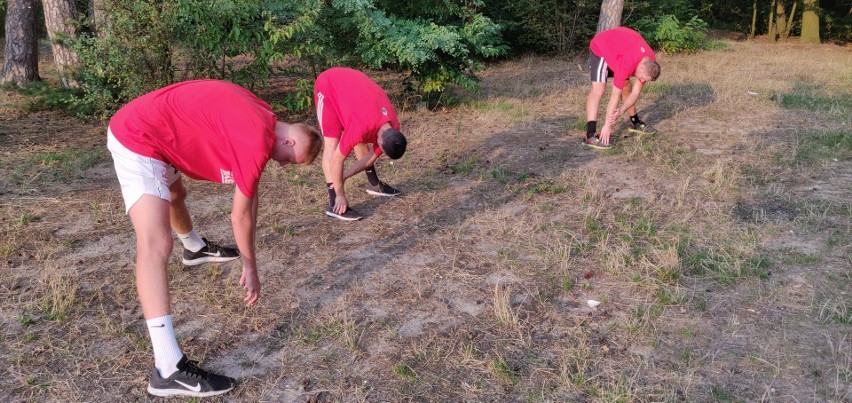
[227,177]
[642,48]
[320,103]
[384,111]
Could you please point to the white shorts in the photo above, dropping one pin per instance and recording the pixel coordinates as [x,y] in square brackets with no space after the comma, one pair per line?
[139,175]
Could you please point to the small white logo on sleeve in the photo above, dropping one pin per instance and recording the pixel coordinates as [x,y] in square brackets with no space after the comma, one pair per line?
[384,111]
[642,48]
[226,176]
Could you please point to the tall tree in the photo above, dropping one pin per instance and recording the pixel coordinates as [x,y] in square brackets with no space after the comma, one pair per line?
[780,18]
[59,16]
[610,14]
[810,21]
[21,49]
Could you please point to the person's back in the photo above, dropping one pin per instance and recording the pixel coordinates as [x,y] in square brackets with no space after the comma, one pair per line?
[208,129]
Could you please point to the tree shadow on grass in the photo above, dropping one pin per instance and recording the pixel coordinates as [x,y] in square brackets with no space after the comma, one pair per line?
[673,99]
[481,174]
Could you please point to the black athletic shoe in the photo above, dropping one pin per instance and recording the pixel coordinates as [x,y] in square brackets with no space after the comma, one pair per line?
[595,142]
[189,380]
[641,128]
[211,252]
[349,215]
[382,189]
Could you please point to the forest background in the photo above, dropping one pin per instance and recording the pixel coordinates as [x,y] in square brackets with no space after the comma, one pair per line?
[109,52]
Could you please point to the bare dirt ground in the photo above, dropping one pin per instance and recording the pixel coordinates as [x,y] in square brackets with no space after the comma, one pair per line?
[720,250]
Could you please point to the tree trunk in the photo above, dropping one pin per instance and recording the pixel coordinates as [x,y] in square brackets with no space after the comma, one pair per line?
[58,17]
[780,18]
[754,20]
[21,49]
[810,21]
[786,34]
[610,14]
[772,35]
[96,16]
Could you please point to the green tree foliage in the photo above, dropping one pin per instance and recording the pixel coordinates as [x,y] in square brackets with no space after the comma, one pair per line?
[145,45]
[545,26]
[673,36]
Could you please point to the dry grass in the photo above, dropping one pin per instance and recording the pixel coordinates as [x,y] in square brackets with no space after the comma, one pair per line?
[719,250]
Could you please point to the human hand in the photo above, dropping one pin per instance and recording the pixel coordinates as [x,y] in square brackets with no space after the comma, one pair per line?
[340,204]
[611,119]
[251,283]
[606,131]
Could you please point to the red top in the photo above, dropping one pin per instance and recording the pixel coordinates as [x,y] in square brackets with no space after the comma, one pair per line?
[208,129]
[352,108]
[622,49]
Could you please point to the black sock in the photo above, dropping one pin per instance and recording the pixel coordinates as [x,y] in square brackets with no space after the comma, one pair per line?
[332,195]
[635,119]
[591,128]
[371,175]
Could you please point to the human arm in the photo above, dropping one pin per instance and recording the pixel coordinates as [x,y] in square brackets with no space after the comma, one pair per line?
[332,164]
[611,109]
[244,221]
[360,165]
[635,91]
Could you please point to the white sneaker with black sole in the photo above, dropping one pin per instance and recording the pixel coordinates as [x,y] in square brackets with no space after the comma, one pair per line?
[382,189]
[189,380]
[348,215]
[211,252]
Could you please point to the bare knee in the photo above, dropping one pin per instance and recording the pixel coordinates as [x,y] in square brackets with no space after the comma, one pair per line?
[597,91]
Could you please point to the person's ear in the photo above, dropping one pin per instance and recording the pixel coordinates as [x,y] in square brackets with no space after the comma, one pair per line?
[289,141]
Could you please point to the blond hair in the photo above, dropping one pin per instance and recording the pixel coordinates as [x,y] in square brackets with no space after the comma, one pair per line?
[314,140]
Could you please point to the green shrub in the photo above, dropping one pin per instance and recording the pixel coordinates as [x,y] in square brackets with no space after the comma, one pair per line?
[674,37]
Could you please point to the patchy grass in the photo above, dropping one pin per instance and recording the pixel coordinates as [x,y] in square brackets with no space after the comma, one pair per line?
[708,246]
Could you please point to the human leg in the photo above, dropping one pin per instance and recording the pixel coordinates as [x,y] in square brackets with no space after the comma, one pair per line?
[375,187]
[146,198]
[196,250]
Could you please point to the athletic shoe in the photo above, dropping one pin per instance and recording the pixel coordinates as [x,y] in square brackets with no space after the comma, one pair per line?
[382,189]
[641,128]
[189,380]
[595,142]
[349,215]
[211,252]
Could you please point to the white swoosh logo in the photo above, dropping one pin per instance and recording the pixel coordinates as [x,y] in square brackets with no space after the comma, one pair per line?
[217,254]
[196,388]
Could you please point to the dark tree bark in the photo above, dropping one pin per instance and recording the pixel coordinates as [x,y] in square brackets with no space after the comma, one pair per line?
[610,14]
[96,16]
[21,49]
[58,17]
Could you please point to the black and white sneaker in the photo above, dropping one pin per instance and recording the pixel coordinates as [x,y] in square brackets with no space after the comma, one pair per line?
[640,128]
[211,252]
[189,380]
[349,215]
[382,189]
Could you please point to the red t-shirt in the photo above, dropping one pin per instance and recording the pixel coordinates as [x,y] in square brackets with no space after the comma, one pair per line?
[208,129]
[622,48]
[352,108]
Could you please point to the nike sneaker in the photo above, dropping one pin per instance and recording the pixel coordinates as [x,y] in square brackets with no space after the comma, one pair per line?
[595,142]
[640,128]
[382,189]
[189,380]
[348,215]
[211,252]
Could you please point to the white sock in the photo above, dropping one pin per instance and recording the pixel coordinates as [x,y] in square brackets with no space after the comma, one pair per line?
[192,241]
[166,350]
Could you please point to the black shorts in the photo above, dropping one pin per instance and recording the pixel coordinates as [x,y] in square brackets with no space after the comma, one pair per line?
[598,69]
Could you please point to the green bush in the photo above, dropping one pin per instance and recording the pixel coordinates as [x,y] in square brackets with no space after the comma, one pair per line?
[667,33]
[147,45]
